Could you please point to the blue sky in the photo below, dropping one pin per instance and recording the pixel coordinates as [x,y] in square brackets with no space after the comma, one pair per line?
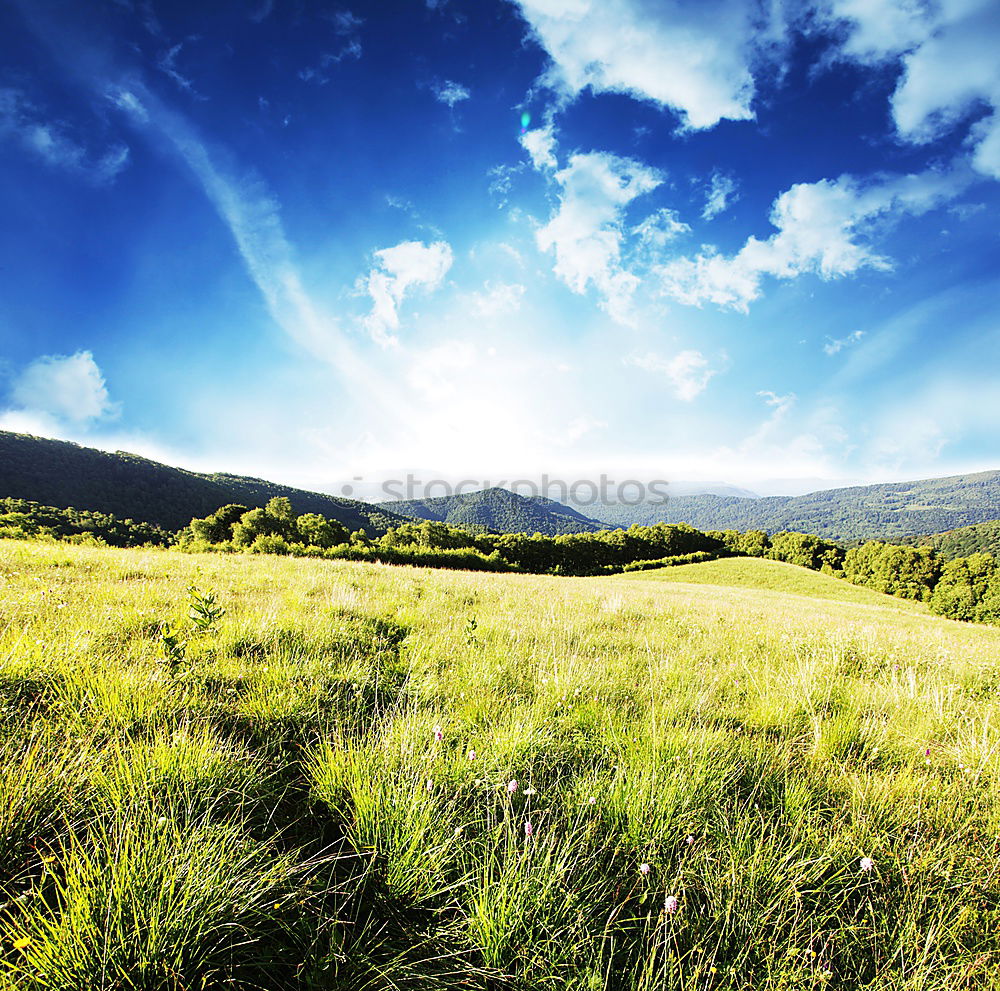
[726,240]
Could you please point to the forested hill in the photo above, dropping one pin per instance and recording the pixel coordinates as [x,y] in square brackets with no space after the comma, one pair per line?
[58,473]
[499,510]
[890,510]
[966,540]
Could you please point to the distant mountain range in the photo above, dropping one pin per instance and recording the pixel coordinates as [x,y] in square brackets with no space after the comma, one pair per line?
[500,510]
[58,473]
[894,509]
[61,474]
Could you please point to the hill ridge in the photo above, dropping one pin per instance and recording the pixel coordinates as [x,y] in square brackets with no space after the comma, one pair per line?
[66,475]
[882,510]
[499,509]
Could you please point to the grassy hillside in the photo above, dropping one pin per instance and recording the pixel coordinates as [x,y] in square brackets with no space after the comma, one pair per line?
[58,473]
[713,789]
[881,511]
[499,510]
[762,575]
[966,540]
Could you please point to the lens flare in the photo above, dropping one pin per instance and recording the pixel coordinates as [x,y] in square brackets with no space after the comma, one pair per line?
[525,121]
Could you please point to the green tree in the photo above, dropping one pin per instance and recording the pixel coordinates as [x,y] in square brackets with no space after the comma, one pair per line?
[318,531]
[965,584]
[217,528]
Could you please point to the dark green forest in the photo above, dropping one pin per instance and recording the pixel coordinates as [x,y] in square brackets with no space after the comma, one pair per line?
[20,518]
[499,510]
[980,538]
[62,474]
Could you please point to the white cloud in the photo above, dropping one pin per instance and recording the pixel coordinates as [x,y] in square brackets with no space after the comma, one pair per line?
[660,228]
[721,194]
[540,144]
[497,298]
[948,76]
[950,68]
[878,29]
[586,231]
[450,92]
[397,270]
[68,388]
[780,404]
[688,372]
[822,228]
[835,346]
[694,58]
[53,143]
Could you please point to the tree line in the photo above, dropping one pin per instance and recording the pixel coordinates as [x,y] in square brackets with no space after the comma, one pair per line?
[965,588]
[26,520]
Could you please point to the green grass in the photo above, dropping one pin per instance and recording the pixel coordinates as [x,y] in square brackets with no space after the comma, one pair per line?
[760,574]
[273,808]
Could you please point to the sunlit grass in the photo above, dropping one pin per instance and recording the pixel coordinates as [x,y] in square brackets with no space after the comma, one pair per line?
[370,777]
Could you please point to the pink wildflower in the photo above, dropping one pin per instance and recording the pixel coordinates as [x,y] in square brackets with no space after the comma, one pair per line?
[511,786]
[438,734]
[644,868]
[529,830]
[867,864]
[671,904]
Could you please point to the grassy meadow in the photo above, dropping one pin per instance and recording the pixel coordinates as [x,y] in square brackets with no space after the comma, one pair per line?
[765,575]
[744,776]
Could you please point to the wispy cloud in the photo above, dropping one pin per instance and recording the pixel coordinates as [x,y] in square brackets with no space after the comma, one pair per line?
[346,26]
[687,373]
[659,229]
[261,10]
[780,404]
[449,92]
[502,182]
[497,299]
[720,196]
[167,64]
[53,142]
[320,72]
[835,346]
[253,218]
